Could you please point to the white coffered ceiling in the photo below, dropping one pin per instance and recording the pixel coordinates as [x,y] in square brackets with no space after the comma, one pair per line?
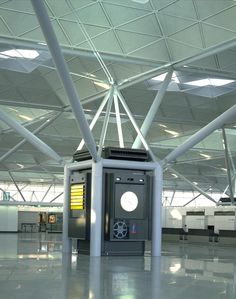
[195,37]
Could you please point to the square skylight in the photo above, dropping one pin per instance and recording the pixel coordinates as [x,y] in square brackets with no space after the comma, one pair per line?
[210,81]
[19,53]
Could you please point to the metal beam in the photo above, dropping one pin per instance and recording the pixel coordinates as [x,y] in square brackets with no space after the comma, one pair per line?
[28,203]
[193,185]
[72,51]
[217,123]
[30,137]
[39,129]
[64,75]
[128,112]
[172,197]
[153,109]
[227,164]
[105,124]
[96,116]
[195,197]
[56,197]
[118,122]
[46,193]
[10,195]
[18,189]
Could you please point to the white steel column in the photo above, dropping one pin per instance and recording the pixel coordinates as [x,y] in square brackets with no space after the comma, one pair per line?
[64,74]
[96,209]
[193,185]
[227,163]
[157,210]
[118,122]
[217,123]
[39,129]
[30,137]
[105,124]
[127,110]
[96,116]
[66,242]
[153,110]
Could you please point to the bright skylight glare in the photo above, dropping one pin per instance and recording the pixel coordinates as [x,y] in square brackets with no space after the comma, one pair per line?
[210,81]
[19,53]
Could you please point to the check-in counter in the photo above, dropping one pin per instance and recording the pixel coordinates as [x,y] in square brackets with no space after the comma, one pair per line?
[227,237]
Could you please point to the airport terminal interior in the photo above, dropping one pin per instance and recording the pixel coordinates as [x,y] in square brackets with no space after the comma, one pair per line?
[117,149]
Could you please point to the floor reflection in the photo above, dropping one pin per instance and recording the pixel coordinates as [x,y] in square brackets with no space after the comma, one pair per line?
[32,266]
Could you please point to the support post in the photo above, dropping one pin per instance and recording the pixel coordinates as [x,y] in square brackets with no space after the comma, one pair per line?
[195,197]
[157,210]
[227,163]
[153,110]
[30,137]
[63,72]
[217,123]
[96,209]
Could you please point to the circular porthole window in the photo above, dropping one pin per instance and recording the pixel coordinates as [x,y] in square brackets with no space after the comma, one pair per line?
[129,201]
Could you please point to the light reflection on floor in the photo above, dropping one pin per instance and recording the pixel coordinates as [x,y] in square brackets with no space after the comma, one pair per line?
[32,266]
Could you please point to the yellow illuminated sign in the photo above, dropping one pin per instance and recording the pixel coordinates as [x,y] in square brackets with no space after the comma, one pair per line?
[77,196]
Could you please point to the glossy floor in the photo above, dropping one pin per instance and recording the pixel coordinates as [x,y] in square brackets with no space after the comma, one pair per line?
[32,266]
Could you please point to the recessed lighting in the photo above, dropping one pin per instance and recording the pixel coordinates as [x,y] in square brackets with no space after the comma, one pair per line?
[19,53]
[20,165]
[103,85]
[195,183]
[25,117]
[210,81]
[163,126]
[174,175]
[174,133]
[205,156]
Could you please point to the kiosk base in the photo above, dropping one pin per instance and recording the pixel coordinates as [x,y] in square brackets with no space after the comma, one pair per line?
[135,248]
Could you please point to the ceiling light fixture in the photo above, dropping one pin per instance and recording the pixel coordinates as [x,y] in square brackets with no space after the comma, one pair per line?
[205,156]
[141,1]
[173,133]
[19,53]
[210,81]
[163,126]
[25,117]
[103,85]
[20,165]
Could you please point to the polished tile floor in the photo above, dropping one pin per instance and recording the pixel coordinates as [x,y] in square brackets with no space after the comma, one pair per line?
[32,266]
